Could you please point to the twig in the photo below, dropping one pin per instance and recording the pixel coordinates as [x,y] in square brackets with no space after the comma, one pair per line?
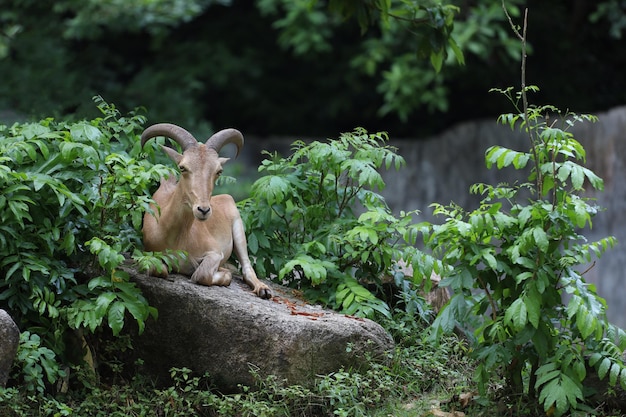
[588,269]
[522,38]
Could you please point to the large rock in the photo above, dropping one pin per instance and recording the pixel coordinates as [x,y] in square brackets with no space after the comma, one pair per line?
[9,342]
[227,330]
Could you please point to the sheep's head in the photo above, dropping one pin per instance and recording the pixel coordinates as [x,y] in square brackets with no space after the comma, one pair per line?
[200,164]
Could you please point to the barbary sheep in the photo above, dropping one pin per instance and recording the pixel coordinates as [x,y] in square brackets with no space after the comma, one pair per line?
[187,217]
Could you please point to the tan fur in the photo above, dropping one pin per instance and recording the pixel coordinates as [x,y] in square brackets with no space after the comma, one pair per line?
[190,218]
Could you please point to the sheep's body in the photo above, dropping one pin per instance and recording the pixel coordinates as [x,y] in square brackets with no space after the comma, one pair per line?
[189,218]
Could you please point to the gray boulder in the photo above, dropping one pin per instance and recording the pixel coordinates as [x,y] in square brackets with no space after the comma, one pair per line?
[9,342]
[226,331]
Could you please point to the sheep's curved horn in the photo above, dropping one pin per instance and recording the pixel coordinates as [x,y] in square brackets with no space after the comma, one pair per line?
[177,133]
[224,137]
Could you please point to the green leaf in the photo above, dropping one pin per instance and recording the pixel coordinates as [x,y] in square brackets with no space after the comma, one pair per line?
[273,187]
[594,358]
[253,243]
[358,289]
[519,278]
[580,369]
[444,323]
[83,130]
[366,233]
[490,260]
[493,154]
[578,177]
[585,322]
[595,181]
[533,307]
[348,301]
[541,238]
[521,160]
[69,150]
[135,304]
[32,130]
[103,301]
[99,282]
[614,373]
[315,270]
[436,59]
[546,373]
[526,262]
[115,317]
[573,305]
[604,367]
[516,315]
[17,265]
[39,181]
[457,51]
[564,172]
[562,393]
[524,215]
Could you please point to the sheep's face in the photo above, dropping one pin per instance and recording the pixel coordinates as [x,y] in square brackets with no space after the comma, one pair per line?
[199,168]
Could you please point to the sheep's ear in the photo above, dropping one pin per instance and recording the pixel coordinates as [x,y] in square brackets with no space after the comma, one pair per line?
[174,156]
[223,160]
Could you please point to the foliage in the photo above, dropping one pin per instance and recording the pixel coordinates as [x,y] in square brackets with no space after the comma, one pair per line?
[315,223]
[514,267]
[613,11]
[72,197]
[90,17]
[306,28]
[70,51]
[514,264]
[9,28]
[36,361]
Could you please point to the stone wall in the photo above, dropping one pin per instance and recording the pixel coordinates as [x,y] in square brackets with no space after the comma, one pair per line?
[442,168]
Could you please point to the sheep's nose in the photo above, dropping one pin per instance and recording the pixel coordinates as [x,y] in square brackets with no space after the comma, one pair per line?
[204,210]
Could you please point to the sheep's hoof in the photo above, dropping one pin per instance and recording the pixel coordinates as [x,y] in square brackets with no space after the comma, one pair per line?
[265,293]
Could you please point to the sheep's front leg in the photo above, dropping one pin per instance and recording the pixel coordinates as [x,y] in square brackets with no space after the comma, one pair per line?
[209,272]
[241,250]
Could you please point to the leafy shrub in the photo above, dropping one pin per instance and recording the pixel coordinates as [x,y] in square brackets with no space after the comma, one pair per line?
[72,196]
[36,361]
[315,223]
[514,267]
[514,262]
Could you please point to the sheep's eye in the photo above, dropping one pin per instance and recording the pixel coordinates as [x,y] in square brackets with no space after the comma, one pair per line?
[182,168]
[218,173]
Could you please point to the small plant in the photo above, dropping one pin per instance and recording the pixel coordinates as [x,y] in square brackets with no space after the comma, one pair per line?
[39,363]
[315,223]
[516,266]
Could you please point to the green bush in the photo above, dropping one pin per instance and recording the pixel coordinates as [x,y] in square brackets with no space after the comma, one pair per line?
[517,263]
[516,267]
[315,223]
[72,196]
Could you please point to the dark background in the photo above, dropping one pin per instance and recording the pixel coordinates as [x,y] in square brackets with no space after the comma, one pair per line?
[221,64]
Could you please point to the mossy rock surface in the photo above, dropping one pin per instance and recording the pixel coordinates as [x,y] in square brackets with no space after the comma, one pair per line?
[227,330]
